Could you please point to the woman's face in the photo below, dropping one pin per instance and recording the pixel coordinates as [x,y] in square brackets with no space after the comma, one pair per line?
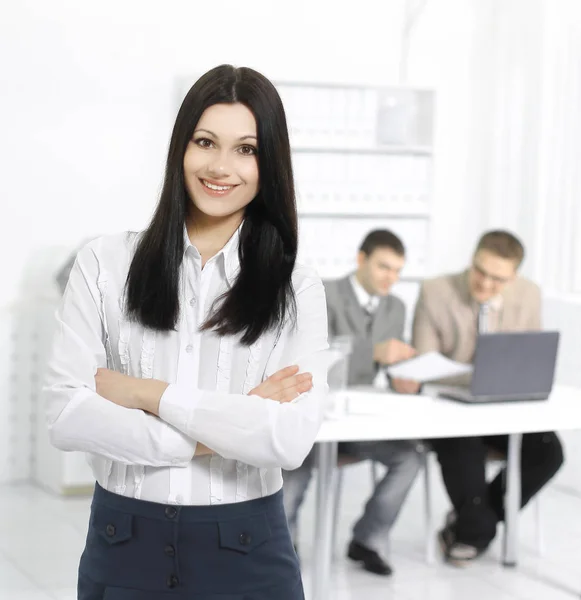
[220,163]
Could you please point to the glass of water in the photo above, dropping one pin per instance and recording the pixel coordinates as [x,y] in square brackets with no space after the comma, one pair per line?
[341,348]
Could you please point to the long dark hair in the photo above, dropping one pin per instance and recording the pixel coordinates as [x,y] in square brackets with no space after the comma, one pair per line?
[262,296]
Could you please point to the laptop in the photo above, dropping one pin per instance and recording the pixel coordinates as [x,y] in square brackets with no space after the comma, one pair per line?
[510,367]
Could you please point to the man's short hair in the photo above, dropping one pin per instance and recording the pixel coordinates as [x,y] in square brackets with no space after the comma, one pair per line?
[382,238]
[503,244]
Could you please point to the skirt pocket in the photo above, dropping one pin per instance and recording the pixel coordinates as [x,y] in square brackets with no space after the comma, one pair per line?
[245,534]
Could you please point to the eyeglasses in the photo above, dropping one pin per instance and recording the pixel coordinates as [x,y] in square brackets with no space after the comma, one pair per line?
[487,275]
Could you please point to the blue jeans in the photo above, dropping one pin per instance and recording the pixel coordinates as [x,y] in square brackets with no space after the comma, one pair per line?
[403,461]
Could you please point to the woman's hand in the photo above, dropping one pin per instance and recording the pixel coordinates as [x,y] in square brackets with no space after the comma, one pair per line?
[116,387]
[130,392]
[285,385]
[202,450]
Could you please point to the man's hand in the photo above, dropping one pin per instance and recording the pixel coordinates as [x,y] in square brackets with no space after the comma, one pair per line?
[405,386]
[130,392]
[285,385]
[392,351]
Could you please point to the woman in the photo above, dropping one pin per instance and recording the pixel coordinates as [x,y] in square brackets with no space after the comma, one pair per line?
[189,364]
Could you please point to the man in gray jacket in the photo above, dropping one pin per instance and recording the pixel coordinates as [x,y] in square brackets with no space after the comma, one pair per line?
[360,306]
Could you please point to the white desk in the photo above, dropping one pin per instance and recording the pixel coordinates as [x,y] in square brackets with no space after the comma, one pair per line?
[385,416]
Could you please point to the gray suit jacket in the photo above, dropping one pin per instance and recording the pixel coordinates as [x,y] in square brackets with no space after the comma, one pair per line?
[347,317]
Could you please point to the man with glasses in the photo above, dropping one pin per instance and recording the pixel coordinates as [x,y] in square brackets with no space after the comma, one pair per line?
[451,311]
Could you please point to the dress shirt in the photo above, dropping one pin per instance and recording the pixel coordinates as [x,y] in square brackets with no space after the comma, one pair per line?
[368,302]
[140,455]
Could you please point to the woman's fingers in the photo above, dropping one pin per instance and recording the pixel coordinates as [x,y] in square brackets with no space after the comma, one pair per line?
[291,382]
[289,393]
[284,373]
[284,385]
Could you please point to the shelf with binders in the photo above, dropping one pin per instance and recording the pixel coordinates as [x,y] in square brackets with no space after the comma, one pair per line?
[344,118]
[366,185]
[363,159]
[344,205]
[392,150]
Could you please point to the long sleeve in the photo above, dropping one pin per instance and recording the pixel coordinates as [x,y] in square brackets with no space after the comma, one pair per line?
[80,419]
[425,338]
[257,431]
[535,310]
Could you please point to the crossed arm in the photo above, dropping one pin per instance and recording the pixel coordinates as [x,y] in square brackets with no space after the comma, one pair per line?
[155,423]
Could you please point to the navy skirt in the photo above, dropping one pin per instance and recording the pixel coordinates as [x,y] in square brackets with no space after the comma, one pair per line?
[138,550]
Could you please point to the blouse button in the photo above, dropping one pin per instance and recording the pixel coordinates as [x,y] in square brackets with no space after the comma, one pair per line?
[189,348]
[192,302]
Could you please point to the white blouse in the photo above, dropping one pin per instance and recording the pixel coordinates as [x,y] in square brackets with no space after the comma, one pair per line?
[139,455]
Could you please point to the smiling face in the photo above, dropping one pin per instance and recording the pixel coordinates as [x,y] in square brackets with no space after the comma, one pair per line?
[220,163]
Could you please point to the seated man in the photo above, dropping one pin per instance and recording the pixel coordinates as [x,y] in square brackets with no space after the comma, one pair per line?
[360,306]
[450,313]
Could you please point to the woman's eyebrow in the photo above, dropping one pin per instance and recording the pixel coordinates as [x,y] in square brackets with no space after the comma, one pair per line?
[244,137]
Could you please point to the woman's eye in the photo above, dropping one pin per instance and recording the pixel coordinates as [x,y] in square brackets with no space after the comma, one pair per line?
[203,142]
[247,150]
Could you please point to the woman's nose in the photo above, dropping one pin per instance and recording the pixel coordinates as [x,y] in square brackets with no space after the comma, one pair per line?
[219,165]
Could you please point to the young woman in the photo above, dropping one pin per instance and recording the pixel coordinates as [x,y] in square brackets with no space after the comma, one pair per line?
[190,364]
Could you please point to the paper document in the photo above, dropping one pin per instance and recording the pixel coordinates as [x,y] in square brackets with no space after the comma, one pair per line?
[428,367]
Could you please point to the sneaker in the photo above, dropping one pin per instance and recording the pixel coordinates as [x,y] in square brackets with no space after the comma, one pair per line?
[457,553]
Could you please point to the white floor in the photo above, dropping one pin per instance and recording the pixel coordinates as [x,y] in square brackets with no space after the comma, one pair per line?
[41,538]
